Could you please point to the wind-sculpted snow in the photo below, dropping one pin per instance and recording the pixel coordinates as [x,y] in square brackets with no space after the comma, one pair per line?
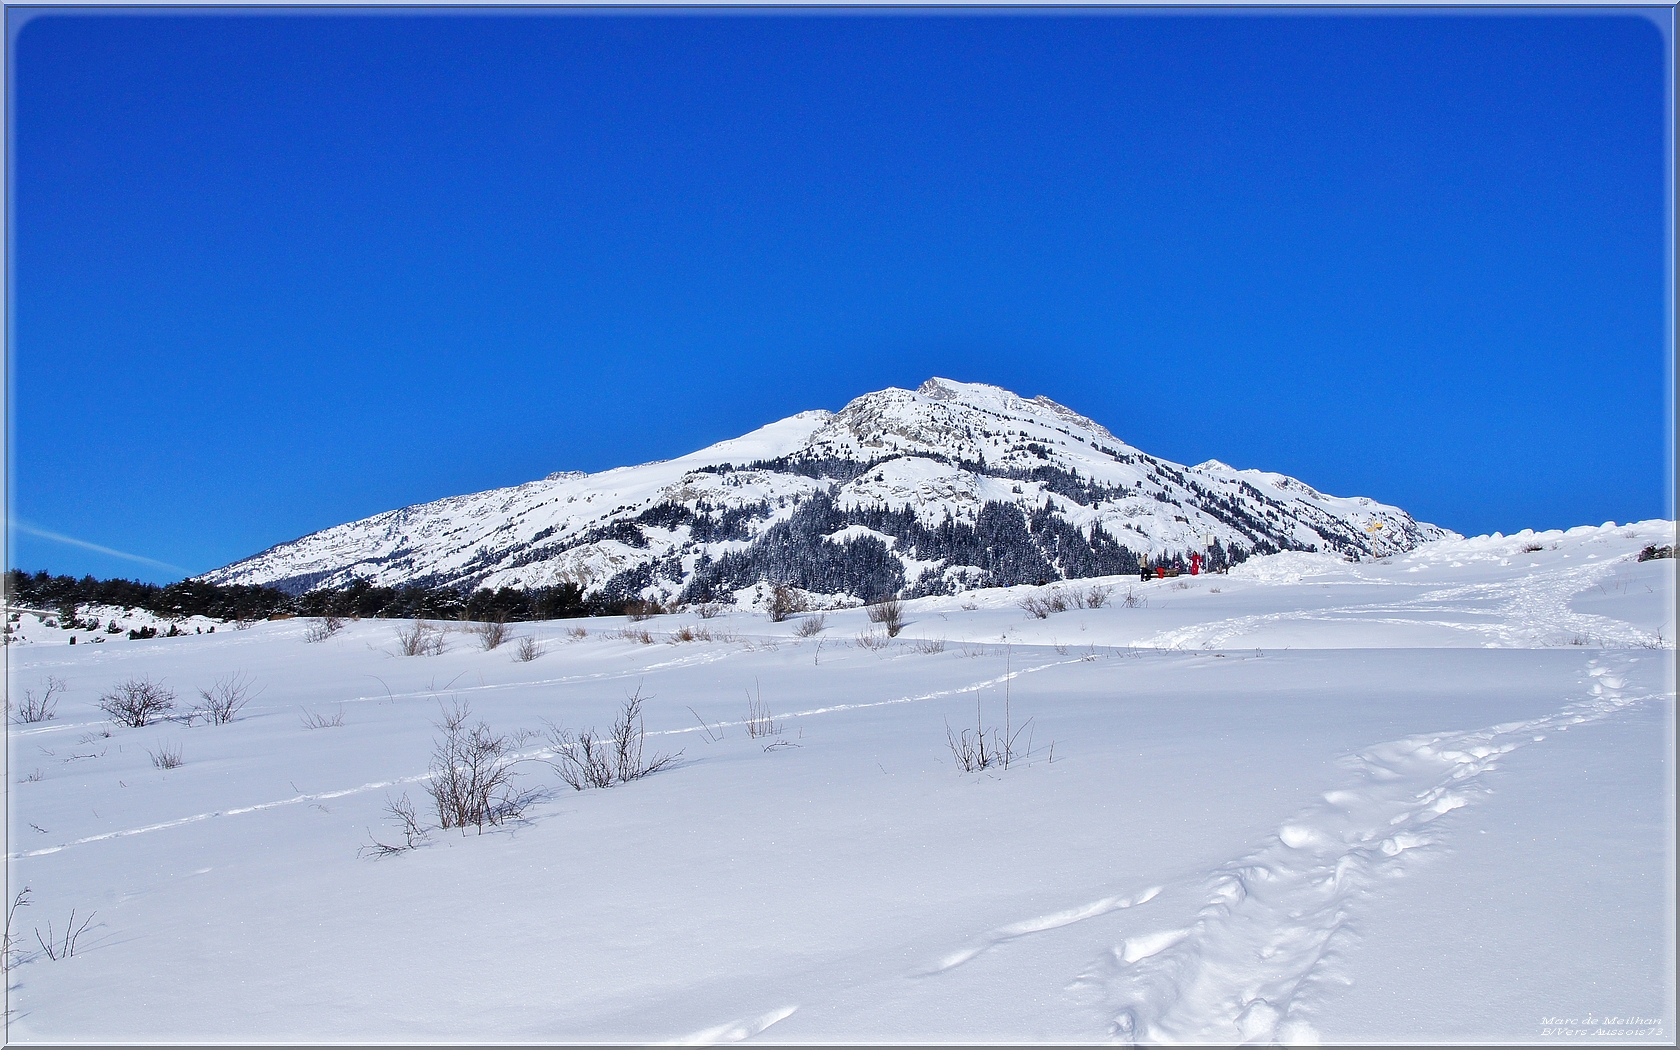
[946,455]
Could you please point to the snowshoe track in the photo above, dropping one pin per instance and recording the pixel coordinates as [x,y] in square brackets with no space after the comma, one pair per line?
[1263,949]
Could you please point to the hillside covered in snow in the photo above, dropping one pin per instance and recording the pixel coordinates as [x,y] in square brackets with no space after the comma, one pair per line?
[949,487]
[1422,799]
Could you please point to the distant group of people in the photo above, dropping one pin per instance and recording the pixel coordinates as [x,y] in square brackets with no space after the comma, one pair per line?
[1161,572]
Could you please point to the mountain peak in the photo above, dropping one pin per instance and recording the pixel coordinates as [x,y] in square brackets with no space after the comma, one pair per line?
[949,486]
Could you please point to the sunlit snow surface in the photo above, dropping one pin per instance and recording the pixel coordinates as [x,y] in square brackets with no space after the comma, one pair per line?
[1427,798]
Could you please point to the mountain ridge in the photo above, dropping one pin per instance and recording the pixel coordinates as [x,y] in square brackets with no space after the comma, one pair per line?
[944,488]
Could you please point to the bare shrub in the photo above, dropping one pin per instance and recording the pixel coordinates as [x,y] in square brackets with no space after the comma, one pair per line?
[137,702]
[811,626]
[709,610]
[889,614]
[57,949]
[420,639]
[586,759]
[321,628]
[1132,600]
[1095,597]
[636,634]
[311,720]
[491,633]
[784,602]
[930,646]
[42,708]
[9,950]
[1034,606]
[222,701]
[166,757]
[873,640]
[407,819]
[1530,548]
[1654,552]
[528,649]
[979,748]
[640,610]
[577,634]
[683,634]
[472,774]
[1057,600]
[758,717]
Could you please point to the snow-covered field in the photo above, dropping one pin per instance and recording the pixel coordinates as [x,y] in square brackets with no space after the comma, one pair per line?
[1429,798]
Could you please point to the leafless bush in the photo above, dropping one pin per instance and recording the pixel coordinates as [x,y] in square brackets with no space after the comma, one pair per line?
[57,949]
[1094,597]
[472,774]
[970,606]
[1530,548]
[491,633]
[784,602]
[1181,585]
[1132,601]
[420,639]
[980,747]
[222,701]
[1215,590]
[407,819]
[577,634]
[321,628]
[970,751]
[873,640]
[758,717]
[311,720]
[683,634]
[586,759]
[9,950]
[889,614]
[137,702]
[811,626]
[636,634]
[709,610]
[166,757]
[638,611]
[528,649]
[40,709]
[931,646]
[1034,606]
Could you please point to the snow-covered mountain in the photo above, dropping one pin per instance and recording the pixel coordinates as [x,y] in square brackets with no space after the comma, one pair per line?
[948,487]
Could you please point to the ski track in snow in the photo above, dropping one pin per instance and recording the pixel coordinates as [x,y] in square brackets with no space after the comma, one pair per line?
[537,754]
[1537,610]
[1264,948]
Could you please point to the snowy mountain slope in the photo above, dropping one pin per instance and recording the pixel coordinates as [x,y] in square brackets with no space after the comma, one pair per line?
[951,486]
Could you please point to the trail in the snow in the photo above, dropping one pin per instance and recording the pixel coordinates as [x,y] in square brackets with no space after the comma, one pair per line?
[1531,610]
[1263,950]
[522,756]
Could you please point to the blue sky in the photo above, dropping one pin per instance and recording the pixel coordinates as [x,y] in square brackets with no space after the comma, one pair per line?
[272,272]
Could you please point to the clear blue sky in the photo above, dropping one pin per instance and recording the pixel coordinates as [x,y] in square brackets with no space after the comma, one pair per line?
[271,273]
